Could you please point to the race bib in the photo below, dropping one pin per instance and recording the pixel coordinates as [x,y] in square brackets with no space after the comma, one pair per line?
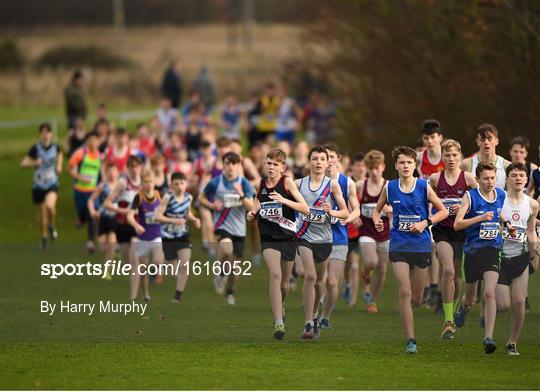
[406,221]
[231,200]
[315,215]
[149,218]
[367,209]
[449,203]
[271,209]
[44,177]
[489,230]
[174,228]
[521,235]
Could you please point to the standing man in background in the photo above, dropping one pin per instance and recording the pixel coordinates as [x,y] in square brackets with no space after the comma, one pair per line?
[75,104]
[171,85]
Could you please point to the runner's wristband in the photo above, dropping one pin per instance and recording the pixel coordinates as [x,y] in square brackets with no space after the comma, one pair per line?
[429,222]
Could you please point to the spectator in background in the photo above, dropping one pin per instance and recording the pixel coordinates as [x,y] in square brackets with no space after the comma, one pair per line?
[322,122]
[288,118]
[204,85]
[171,86]
[194,99]
[168,118]
[230,118]
[264,115]
[76,135]
[75,104]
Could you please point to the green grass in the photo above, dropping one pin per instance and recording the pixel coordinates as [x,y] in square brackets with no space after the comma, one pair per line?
[205,344]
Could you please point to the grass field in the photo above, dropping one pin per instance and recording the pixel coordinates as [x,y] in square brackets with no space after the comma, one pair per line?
[205,344]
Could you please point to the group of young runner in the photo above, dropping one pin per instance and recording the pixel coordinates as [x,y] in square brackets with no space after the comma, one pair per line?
[319,215]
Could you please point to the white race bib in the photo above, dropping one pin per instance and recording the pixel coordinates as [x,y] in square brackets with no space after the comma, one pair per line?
[406,221]
[489,230]
[231,200]
[315,215]
[449,202]
[271,209]
[149,218]
[367,209]
[521,235]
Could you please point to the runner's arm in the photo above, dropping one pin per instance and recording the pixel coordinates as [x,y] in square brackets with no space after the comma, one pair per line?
[343,212]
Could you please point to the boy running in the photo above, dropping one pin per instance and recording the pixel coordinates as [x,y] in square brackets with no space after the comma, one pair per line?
[410,241]
[479,216]
[315,233]
[511,289]
[46,157]
[84,167]
[277,200]
[173,213]
[450,186]
[106,218]
[232,196]
[340,245]
[141,217]
[373,243]
[487,139]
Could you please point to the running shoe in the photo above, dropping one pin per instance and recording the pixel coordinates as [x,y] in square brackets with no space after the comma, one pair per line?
[511,349]
[346,293]
[316,329]
[432,297]
[411,347]
[460,316]
[367,297]
[482,322]
[372,307]
[219,284]
[43,244]
[489,345]
[231,300]
[279,331]
[308,332]
[53,233]
[325,324]
[90,247]
[439,306]
[425,295]
[176,298]
[449,330]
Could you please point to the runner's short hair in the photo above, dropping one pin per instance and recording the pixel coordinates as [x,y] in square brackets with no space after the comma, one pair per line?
[157,160]
[373,159]
[45,127]
[516,166]
[223,141]
[134,160]
[449,143]
[485,130]
[277,154]
[147,175]
[431,126]
[358,157]
[333,148]
[178,176]
[403,150]
[522,141]
[231,157]
[482,166]
[318,149]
